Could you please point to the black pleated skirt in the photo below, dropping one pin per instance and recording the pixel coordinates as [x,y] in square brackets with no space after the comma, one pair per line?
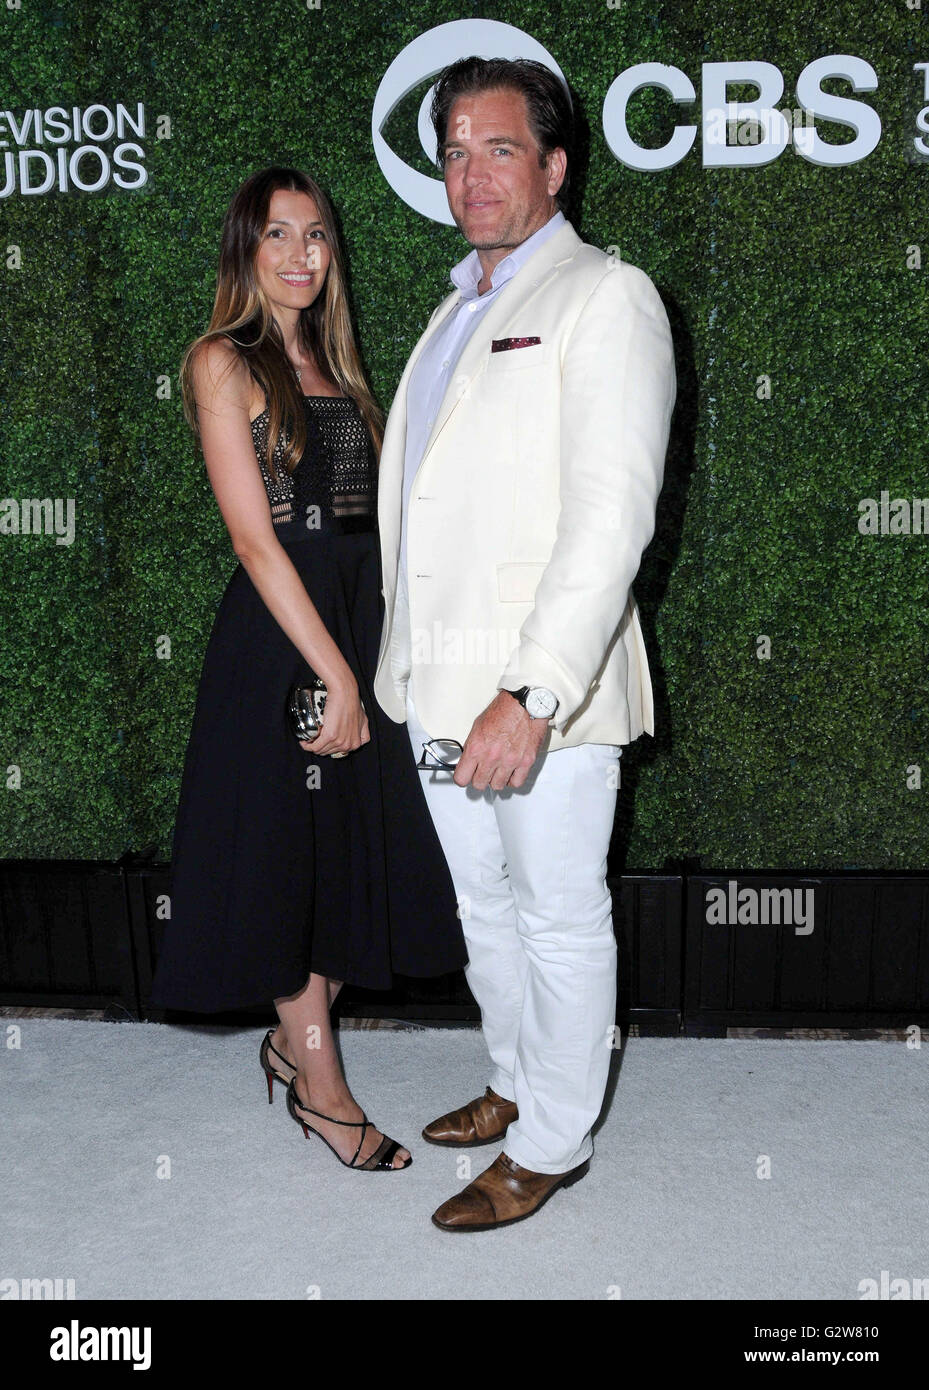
[283,862]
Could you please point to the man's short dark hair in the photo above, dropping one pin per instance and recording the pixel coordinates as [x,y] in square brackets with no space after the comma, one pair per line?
[548,106]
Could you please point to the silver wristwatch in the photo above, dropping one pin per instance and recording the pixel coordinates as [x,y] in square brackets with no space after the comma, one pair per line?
[537,700]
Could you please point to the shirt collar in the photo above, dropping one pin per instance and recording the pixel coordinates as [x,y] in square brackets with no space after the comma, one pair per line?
[466,275]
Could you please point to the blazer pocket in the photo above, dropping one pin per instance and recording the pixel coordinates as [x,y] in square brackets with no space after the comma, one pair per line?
[518,581]
[514,359]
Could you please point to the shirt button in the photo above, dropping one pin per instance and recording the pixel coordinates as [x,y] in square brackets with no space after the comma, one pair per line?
[471,308]
[445,363]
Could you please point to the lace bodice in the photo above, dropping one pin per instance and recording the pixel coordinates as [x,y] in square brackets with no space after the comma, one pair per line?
[337,472]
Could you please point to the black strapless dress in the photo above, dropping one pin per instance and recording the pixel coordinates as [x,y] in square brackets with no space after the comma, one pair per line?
[282,862]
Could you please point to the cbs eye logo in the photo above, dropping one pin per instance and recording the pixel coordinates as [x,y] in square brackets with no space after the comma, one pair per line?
[426,57]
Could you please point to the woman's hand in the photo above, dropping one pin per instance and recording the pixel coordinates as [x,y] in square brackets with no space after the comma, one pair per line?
[345,724]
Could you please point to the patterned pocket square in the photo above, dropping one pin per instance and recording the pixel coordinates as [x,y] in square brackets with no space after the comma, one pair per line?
[506,344]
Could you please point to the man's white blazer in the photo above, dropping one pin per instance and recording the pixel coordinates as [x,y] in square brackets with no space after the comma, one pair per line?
[532,504]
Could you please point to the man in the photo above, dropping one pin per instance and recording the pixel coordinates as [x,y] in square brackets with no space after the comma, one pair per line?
[521,465]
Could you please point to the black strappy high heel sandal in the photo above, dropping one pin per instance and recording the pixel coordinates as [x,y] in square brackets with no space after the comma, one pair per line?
[269,1070]
[382,1160]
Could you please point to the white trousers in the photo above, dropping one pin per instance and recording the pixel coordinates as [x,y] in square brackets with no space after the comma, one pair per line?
[529,870]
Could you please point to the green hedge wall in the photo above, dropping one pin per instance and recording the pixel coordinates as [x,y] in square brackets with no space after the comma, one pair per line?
[789,270]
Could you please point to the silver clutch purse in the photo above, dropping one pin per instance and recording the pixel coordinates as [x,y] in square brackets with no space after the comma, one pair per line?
[305,706]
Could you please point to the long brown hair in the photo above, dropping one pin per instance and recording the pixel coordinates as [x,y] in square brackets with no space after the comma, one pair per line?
[242,312]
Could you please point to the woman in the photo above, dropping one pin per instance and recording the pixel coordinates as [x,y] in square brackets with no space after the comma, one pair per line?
[296,865]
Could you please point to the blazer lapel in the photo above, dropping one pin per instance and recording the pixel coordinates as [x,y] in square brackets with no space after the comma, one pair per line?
[393,447]
[528,281]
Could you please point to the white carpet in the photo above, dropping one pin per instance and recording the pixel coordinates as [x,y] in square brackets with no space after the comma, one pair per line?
[672,1207]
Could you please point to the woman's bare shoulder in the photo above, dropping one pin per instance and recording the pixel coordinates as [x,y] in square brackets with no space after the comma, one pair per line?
[219,373]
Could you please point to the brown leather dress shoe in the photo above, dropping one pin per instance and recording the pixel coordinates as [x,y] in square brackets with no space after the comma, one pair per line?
[481,1121]
[502,1194]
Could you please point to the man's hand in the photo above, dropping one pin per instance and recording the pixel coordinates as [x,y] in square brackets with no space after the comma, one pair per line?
[501,747]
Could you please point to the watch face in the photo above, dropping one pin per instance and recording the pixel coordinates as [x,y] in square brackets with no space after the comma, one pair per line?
[540,703]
